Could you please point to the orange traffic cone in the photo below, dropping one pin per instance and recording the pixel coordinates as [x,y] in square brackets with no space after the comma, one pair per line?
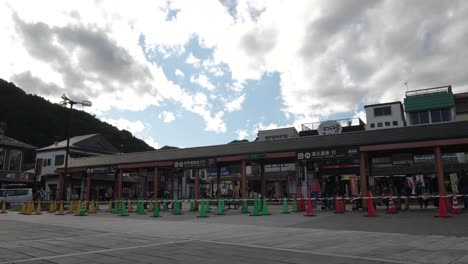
[455,209]
[442,208]
[310,209]
[391,207]
[370,206]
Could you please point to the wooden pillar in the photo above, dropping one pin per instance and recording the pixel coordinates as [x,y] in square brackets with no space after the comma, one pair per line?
[363,177]
[196,187]
[145,188]
[439,168]
[155,184]
[88,187]
[119,184]
[60,188]
[244,180]
[298,184]
[262,180]
[218,182]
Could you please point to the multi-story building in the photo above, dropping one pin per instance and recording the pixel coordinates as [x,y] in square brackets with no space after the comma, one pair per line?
[12,153]
[431,105]
[386,115]
[49,158]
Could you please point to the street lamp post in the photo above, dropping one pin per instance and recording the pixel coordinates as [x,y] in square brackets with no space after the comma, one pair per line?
[66,101]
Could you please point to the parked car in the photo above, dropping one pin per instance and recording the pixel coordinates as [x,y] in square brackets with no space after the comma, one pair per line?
[14,197]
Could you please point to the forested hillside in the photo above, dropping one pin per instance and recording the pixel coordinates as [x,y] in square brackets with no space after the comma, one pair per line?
[36,121]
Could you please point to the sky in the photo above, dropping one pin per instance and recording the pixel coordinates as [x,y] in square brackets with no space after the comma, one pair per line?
[196,73]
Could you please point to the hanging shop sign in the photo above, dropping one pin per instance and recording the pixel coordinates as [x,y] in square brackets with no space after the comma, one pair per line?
[331,153]
[329,128]
[104,169]
[193,164]
[256,156]
[16,176]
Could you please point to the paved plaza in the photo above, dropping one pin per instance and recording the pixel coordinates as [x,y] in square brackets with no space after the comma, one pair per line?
[413,236]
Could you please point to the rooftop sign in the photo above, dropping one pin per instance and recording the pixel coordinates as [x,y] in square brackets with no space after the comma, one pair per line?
[329,128]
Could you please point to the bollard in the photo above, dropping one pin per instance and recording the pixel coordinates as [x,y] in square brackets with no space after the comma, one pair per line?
[23,208]
[60,210]
[38,208]
[123,211]
[176,210]
[255,208]
[294,206]
[285,207]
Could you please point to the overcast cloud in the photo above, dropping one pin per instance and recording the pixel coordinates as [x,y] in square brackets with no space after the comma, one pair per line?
[331,57]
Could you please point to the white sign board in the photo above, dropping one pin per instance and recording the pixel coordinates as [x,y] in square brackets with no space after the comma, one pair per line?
[329,128]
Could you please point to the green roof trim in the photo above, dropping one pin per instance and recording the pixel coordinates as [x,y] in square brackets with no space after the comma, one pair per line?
[429,101]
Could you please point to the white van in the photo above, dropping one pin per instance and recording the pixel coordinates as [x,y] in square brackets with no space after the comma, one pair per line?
[14,197]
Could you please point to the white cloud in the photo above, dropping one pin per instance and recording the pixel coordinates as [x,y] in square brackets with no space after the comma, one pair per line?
[179,73]
[203,81]
[167,117]
[235,104]
[135,127]
[150,141]
[192,60]
[242,134]
[330,56]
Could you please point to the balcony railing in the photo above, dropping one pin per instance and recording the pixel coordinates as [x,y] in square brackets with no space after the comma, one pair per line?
[441,89]
[347,122]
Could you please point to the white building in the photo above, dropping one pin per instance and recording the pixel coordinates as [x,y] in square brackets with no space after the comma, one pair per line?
[49,158]
[386,115]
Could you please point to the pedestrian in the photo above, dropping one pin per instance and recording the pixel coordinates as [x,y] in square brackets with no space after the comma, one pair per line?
[420,191]
[314,191]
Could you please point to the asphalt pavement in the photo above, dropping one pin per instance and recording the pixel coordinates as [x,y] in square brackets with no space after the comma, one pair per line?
[413,236]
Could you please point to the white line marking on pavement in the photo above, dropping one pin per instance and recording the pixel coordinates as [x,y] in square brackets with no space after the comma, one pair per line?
[57,238]
[312,252]
[94,252]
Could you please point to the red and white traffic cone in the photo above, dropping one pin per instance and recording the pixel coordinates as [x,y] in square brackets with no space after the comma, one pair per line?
[455,209]
[391,207]
[310,210]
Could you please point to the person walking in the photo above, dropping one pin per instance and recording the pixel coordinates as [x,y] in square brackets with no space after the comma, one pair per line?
[420,191]
[314,191]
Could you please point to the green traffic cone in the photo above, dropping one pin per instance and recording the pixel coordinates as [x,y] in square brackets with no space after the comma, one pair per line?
[165,209]
[156,209]
[115,210]
[123,211]
[222,206]
[176,210]
[207,206]
[141,209]
[294,206]
[255,209]
[245,207]
[285,207]
[203,212]
[82,210]
[192,206]
[219,209]
[265,208]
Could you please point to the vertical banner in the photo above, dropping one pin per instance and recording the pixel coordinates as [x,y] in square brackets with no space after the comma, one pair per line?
[353,185]
[454,182]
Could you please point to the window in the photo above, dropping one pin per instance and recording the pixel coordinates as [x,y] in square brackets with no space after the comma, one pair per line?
[379,124]
[44,163]
[372,125]
[395,123]
[383,111]
[2,158]
[387,123]
[16,158]
[59,160]
[48,162]
[418,118]
[440,115]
